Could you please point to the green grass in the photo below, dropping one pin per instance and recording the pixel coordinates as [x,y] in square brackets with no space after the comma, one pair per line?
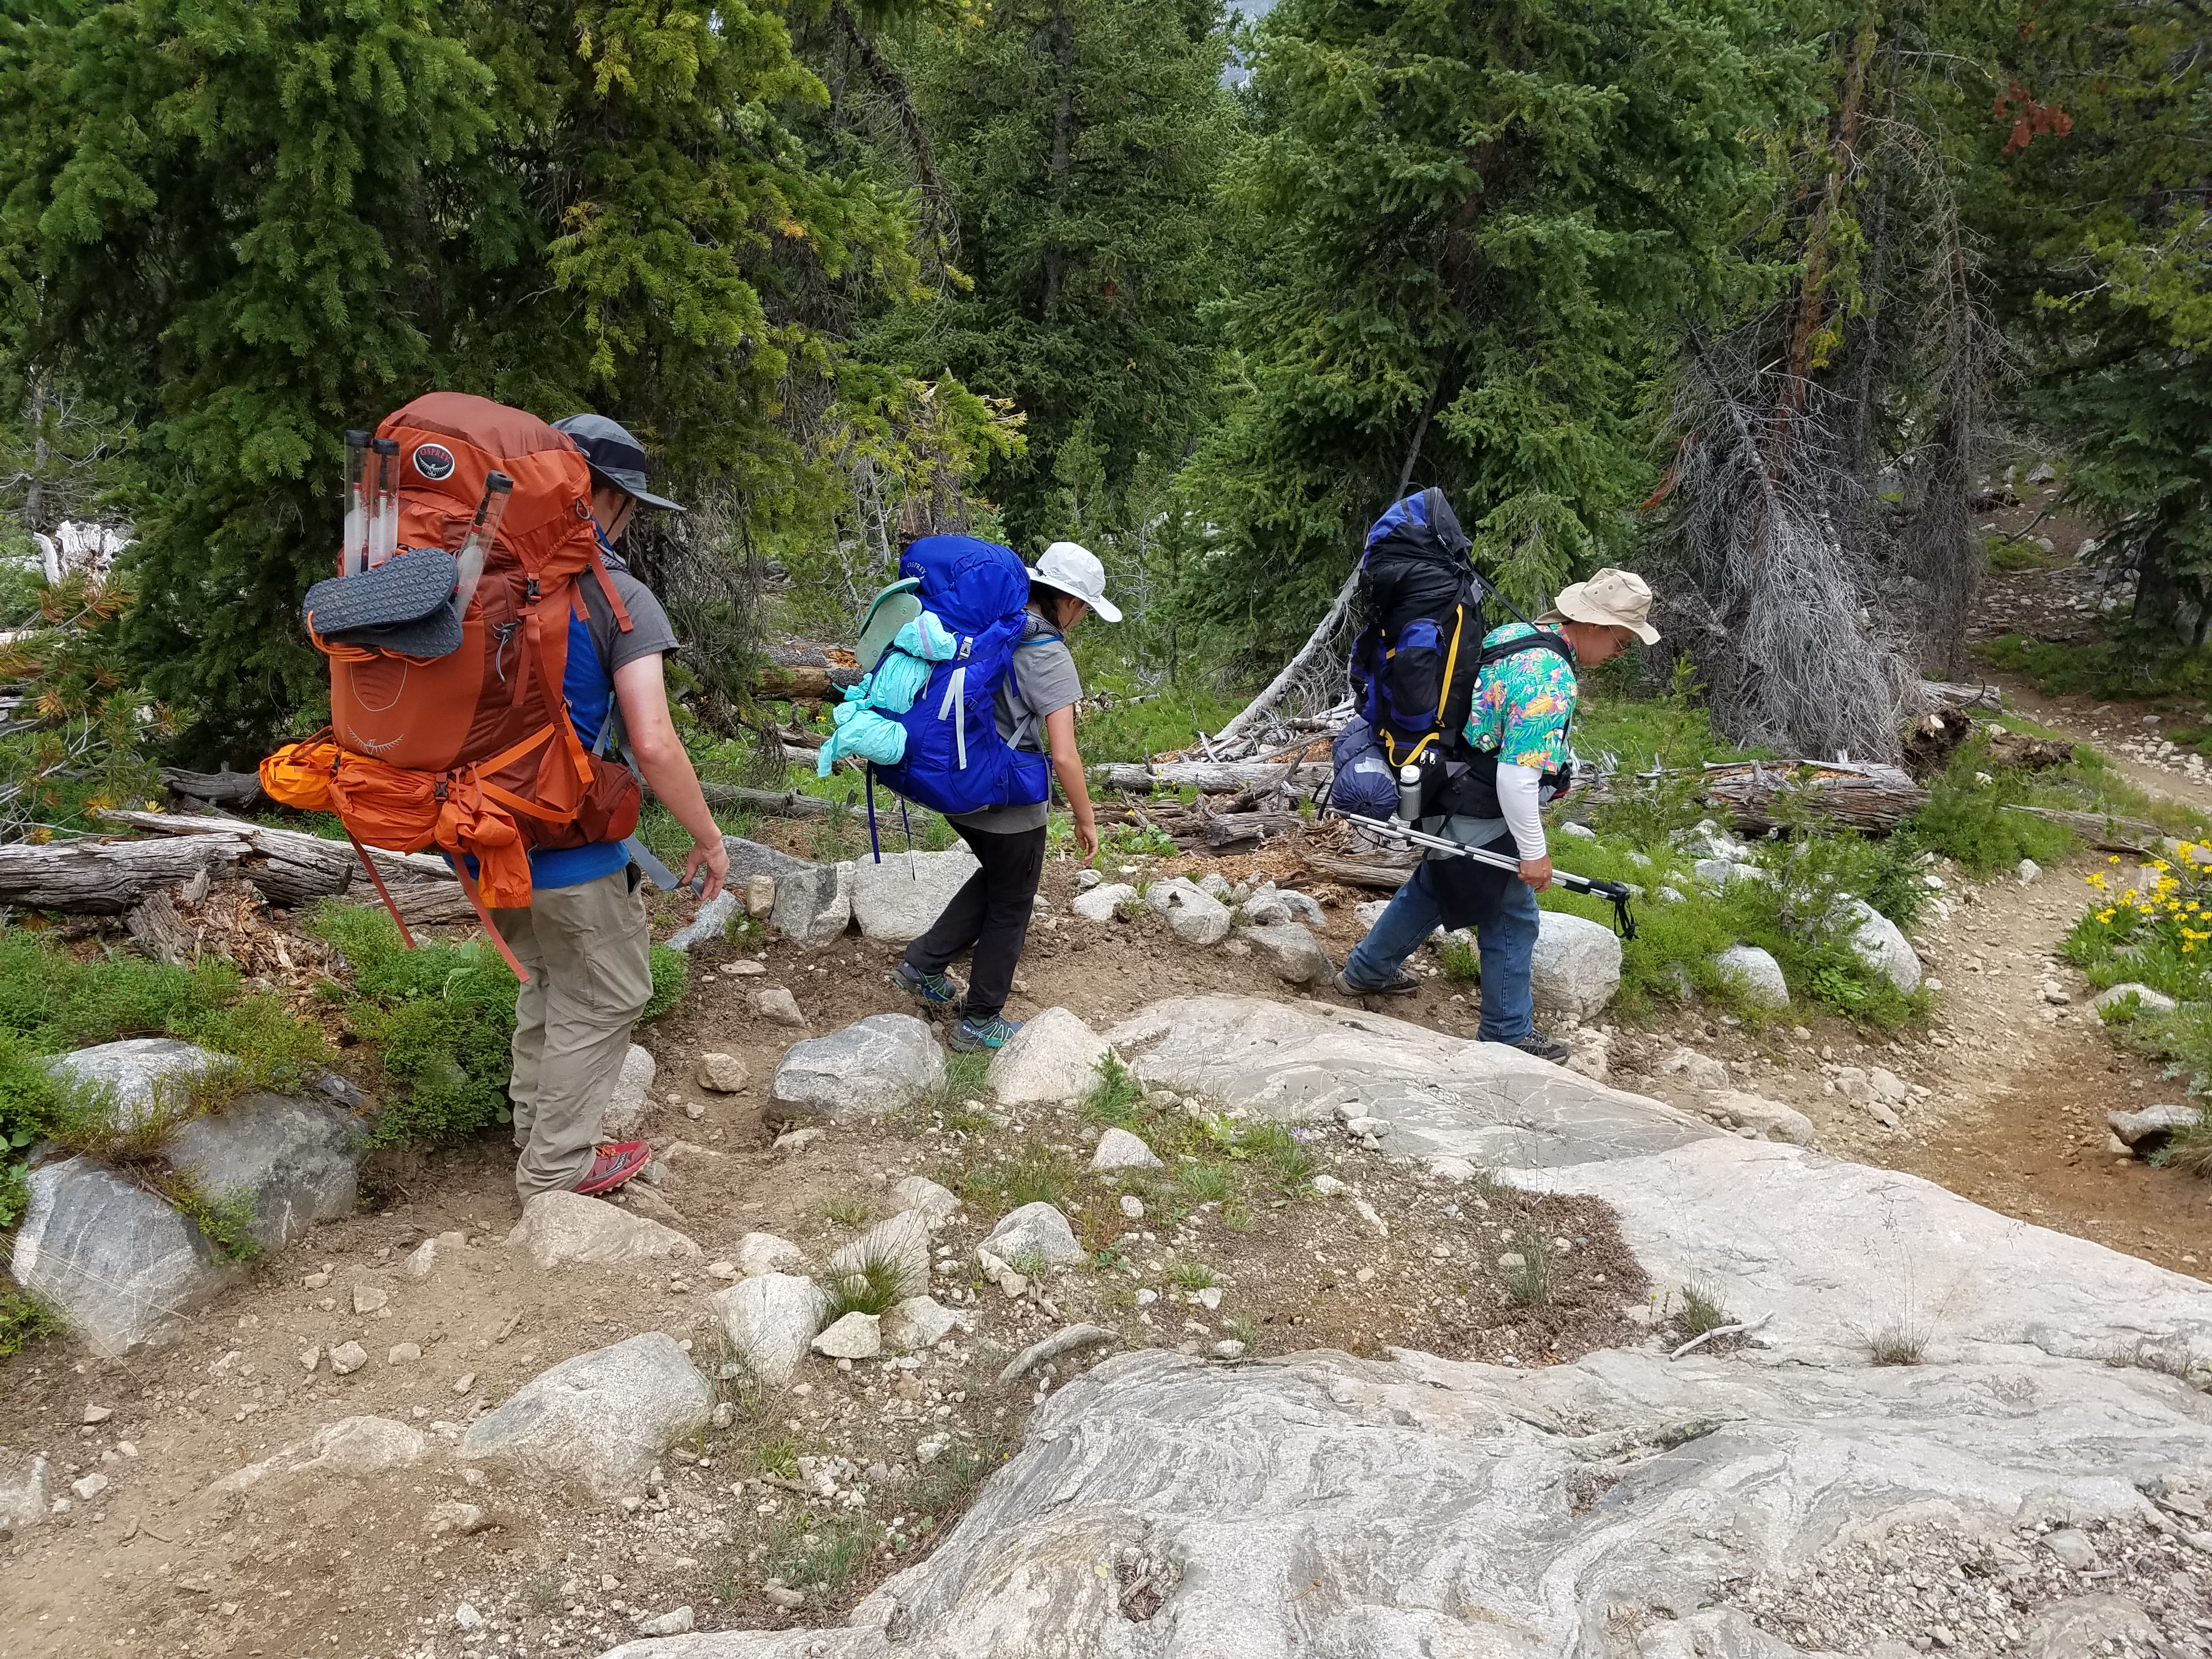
[2121,667]
[1529,1284]
[1031,1173]
[1209,1183]
[1117,1098]
[1701,1310]
[1193,1275]
[965,1076]
[227,1218]
[24,1320]
[848,1212]
[807,1551]
[443,1019]
[1136,732]
[879,1285]
[1462,962]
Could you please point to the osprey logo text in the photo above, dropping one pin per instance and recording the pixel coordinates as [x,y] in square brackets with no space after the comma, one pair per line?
[434,461]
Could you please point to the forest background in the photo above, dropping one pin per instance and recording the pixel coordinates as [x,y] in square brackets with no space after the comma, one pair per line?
[1750,295]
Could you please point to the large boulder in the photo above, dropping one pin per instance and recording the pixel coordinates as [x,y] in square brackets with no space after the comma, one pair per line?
[1757,975]
[294,1162]
[1576,966]
[770,1318]
[1877,941]
[1292,953]
[748,858]
[633,1097]
[1036,1230]
[598,1421]
[1324,1505]
[561,1229]
[135,1072]
[874,1065]
[813,904]
[1447,1095]
[899,898]
[1055,1056]
[1193,916]
[120,1266]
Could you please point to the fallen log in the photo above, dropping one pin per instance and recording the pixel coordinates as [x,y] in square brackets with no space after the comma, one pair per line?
[2100,829]
[109,877]
[1226,832]
[1942,695]
[291,868]
[777,683]
[775,803]
[216,788]
[1759,794]
[1208,777]
[1388,873]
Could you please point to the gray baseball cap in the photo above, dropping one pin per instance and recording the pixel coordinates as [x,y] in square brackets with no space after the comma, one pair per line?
[614,455]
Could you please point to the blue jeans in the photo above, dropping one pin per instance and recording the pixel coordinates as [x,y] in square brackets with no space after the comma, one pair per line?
[1508,942]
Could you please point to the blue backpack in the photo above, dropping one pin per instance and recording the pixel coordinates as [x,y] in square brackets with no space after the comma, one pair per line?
[955,760]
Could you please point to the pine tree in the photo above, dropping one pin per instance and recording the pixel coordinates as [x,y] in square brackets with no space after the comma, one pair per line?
[1079,141]
[2099,142]
[252,224]
[1465,223]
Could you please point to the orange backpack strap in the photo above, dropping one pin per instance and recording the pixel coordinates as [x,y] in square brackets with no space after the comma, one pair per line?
[382,892]
[607,586]
[476,900]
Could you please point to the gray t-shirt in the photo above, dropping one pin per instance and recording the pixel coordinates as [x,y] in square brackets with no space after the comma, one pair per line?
[650,633]
[1041,682]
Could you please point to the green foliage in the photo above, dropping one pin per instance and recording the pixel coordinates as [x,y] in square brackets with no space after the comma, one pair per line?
[1130,731]
[1462,962]
[1209,1183]
[1701,1311]
[807,1550]
[1117,1095]
[878,1286]
[1035,1173]
[227,1218]
[848,1212]
[1079,140]
[1486,212]
[248,229]
[1191,1274]
[1530,1284]
[23,1320]
[672,977]
[1970,822]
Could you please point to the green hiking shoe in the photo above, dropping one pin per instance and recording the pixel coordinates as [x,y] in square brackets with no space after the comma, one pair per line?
[972,1035]
[932,991]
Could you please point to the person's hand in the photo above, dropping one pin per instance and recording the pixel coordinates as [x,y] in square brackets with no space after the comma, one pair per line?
[1086,834]
[715,859]
[1537,872]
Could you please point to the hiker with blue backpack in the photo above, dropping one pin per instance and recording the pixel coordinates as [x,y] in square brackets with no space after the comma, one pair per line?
[969,708]
[1461,733]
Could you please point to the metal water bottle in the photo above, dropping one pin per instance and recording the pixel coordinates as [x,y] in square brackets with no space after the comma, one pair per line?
[1409,795]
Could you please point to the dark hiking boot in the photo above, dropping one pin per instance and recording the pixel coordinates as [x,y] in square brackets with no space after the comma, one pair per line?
[617,1163]
[934,992]
[974,1036]
[1403,986]
[1544,1047]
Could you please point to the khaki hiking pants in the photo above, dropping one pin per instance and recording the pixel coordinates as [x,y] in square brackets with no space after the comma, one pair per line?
[587,950]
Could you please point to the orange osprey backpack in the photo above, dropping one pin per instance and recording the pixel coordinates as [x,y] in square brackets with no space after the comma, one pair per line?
[467,747]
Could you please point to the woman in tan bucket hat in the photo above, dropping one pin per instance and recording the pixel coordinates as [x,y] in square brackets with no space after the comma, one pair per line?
[1518,733]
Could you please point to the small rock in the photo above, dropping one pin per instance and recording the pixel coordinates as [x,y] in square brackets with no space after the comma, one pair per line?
[1577,831]
[723,1074]
[854,1336]
[2073,1548]
[309,1360]
[765,1253]
[797,1140]
[711,922]
[1229,1349]
[918,1322]
[1770,1119]
[783,1596]
[775,1004]
[2148,1002]
[1133,1207]
[1120,1149]
[676,1623]
[724,1414]
[316,1281]
[89,1487]
[760,896]
[424,1259]
[367,1298]
[936,1204]
[1698,1071]
[598,1419]
[2056,996]
[1087,880]
[1037,1228]
[2028,871]
[1757,974]
[464,1382]
[744,967]
[1055,1056]
[1103,903]
[97,1414]
[1193,914]
[1328,1186]
[632,1096]
[403,1353]
[348,1358]
[453,1517]
[561,1228]
[771,1318]
[1288,949]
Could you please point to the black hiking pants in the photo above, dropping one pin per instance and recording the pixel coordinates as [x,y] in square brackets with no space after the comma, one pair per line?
[991,914]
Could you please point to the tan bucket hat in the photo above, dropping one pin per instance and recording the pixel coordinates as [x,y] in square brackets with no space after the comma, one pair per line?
[1611,599]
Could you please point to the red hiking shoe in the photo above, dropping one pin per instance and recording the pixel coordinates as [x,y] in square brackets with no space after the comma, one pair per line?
[617,1161]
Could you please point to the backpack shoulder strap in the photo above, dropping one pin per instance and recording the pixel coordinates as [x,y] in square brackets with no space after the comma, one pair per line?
[622,622]
[1540,640]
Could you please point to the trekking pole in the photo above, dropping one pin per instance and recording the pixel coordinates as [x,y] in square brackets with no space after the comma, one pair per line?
[1615,893]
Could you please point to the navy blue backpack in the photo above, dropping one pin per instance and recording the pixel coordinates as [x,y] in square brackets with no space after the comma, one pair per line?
[1415,661]
[954,759]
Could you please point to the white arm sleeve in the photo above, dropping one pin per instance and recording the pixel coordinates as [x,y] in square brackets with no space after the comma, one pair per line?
[1516,797]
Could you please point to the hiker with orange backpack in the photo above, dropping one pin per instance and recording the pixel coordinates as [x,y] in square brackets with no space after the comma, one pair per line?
[584,936]
[486,646]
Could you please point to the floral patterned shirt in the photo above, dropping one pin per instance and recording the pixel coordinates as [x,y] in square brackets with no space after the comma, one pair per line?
[1523,704]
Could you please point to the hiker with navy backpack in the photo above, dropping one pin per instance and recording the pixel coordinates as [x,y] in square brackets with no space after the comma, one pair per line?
[1462,733]
[969,708]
